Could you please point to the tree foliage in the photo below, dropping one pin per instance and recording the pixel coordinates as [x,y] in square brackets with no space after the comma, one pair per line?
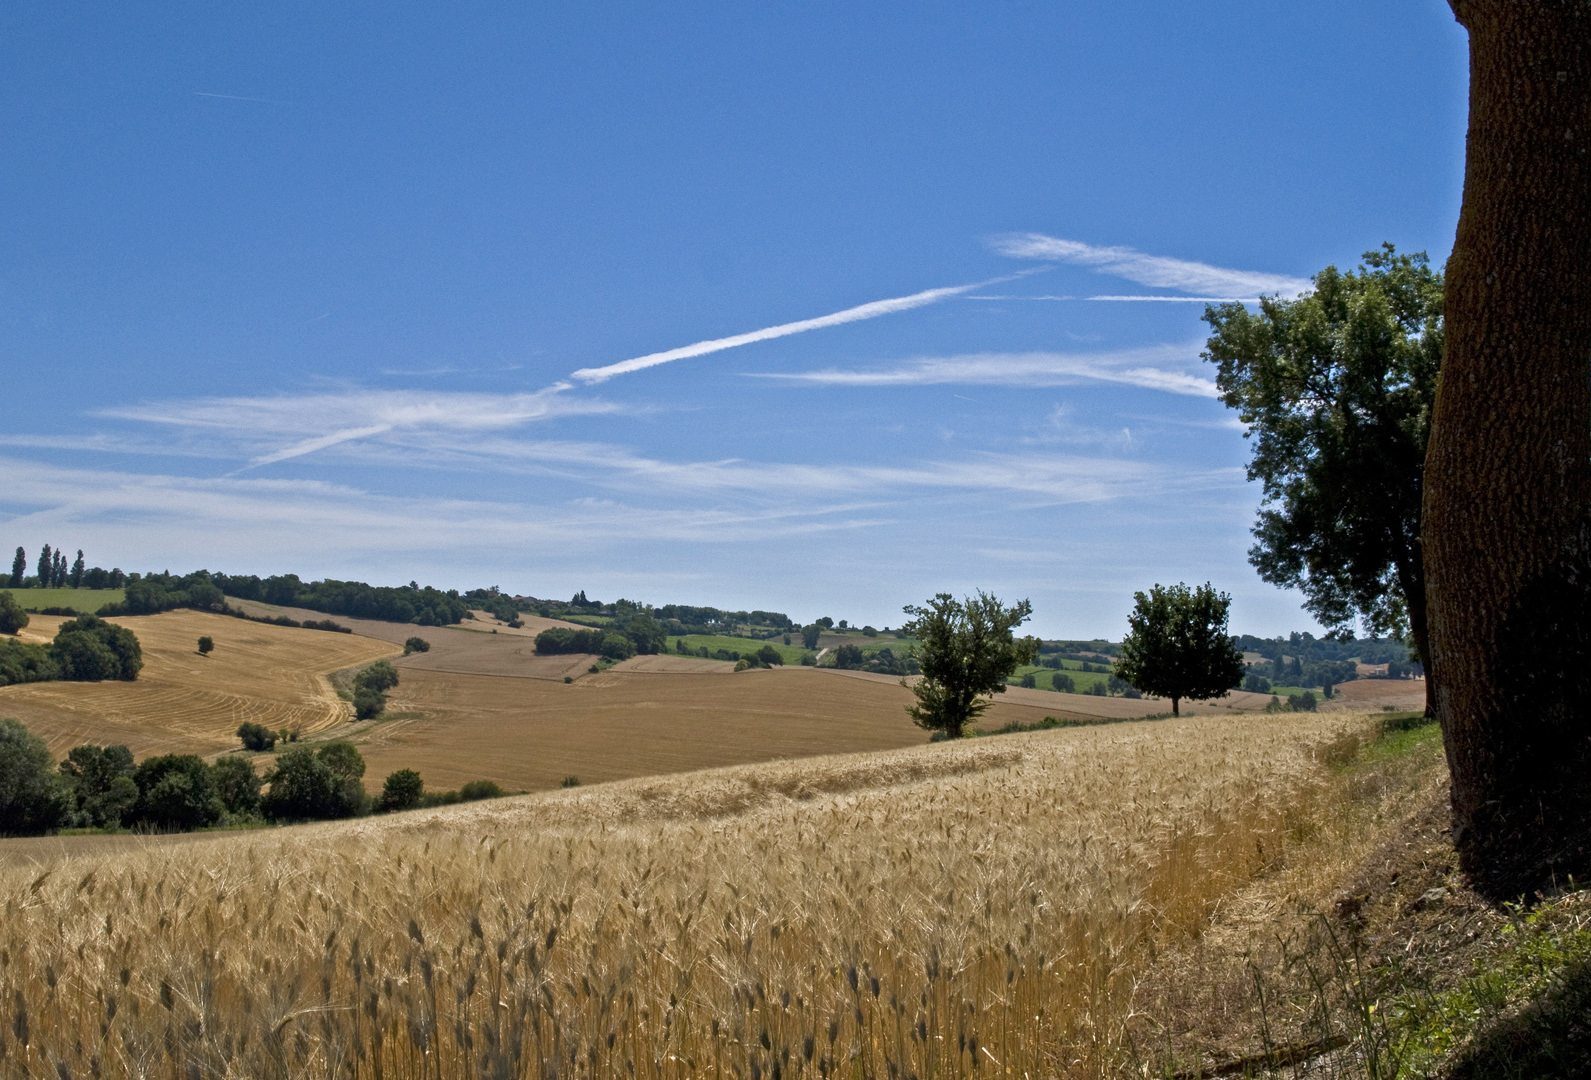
[1177,645]
[176,791]
[1336,389]
[967,649]
[256,737]
[402,790]
[103,788]
[310,784]
[237,785]
[33,795]
[88,649]
[12,617]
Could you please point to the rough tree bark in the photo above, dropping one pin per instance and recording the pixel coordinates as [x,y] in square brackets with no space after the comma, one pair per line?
[1508,469]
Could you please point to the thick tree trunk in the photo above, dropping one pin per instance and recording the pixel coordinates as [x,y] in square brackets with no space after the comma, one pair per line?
[1508,472]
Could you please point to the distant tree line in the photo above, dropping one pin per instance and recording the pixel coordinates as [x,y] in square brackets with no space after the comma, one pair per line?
[54,572]
[86,649]
[405,604]
[632,634]
[100,787]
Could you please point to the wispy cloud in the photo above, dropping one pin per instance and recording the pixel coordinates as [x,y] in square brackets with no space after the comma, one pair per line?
[1157,271]
[320,421]
[1162,367]
[856,314]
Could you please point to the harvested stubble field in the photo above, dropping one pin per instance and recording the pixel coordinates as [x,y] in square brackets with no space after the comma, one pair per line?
[528,734]
[182,702]
[468,648]
[972,909]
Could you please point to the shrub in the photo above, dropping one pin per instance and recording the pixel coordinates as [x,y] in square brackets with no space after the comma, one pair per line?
[206,646]
[380,676]
[256,737]
[480,789]
[176,791]
[1029,681]
[809,659]
[12,617]
[33,796]
[416,644]
[402,790]
[1063,682]
[237,785]
[369,704]
[848,656]
[768,656]
[570,781]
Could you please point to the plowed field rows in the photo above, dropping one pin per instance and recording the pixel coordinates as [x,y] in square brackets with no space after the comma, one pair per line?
[186,703]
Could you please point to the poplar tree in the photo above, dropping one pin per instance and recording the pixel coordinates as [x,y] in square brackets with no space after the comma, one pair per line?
[46,566]
[19,567]
[78,568]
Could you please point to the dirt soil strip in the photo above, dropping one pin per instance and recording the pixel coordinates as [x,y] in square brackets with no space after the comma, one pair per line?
[182,702]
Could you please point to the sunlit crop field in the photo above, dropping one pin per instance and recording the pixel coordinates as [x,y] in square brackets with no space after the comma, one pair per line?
[969,909]
[186,703]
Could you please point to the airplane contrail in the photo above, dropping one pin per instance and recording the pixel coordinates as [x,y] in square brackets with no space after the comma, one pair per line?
[856,314]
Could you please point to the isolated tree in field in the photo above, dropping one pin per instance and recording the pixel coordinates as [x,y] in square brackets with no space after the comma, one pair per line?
[1177,645]
[1335,389]
[1507,526]
[256,737]
[967,649]
[809,635]
[415,644]
[33,796]
[12,617]
[206,646]
[19,568]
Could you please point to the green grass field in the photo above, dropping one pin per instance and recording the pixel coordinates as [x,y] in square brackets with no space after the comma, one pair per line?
[88,600]
[1044,676]
[744,646]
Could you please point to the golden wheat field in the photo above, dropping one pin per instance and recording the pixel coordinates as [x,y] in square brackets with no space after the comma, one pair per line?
[979,908]
[182,702]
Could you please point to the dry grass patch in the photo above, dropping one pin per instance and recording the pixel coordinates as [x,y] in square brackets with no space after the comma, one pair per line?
[973,909]
[186,703]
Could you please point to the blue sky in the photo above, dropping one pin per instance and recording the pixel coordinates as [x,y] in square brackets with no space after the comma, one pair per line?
[410,291]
